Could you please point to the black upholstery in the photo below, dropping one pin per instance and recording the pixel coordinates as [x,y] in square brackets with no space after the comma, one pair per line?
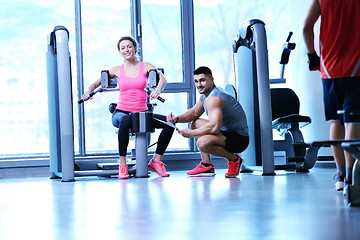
[285,107]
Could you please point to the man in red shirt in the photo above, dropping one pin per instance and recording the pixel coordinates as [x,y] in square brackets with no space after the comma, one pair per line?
[339,64]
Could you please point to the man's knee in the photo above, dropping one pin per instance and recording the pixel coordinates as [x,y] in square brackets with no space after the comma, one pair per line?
[203,144]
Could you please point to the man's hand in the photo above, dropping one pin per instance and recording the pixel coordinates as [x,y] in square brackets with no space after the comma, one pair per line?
[185,132]
[314,61]
[171,118]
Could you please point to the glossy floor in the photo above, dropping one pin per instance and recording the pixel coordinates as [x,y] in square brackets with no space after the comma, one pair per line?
[286,206]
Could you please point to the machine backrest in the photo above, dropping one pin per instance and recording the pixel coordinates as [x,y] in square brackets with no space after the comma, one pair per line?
[284,102]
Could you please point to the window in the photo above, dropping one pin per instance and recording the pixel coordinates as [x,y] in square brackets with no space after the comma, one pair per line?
[24,29]
[217,24]
[162,46]
[162,37]
[103,23]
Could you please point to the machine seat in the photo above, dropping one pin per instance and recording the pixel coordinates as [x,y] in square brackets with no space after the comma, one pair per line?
[289,121]
[285,108]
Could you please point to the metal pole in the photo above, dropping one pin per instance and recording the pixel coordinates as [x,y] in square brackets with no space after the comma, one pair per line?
[80,76]
[65,105]
[264,99]
[141,148]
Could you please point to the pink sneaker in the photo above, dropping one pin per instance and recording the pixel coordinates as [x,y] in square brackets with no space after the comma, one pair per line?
[234,168]
[159,168]
[123,171]
[202,171]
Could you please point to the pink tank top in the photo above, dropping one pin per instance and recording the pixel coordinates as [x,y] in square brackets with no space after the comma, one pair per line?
[340,38]
[133,97]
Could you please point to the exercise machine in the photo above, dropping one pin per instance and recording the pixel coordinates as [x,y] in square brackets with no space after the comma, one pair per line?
[253,86]
[141,123]
[61,131]
[286,119]
[269,108]
[352,192]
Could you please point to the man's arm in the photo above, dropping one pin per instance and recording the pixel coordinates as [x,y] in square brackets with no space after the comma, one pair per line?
[193,113]
[308,34]
[308,29]
[214,106]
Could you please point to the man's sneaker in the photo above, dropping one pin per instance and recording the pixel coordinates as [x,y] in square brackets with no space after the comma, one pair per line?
[234,168]
[159,168]
[339,182]
[202,171]
[123,171]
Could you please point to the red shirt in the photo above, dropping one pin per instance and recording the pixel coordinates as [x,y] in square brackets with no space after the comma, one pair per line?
[340,38]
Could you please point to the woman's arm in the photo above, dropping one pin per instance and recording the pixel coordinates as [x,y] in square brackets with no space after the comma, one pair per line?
[162,81]
[113,72]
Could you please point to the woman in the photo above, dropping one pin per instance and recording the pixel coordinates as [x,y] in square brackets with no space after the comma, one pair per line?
[132,79]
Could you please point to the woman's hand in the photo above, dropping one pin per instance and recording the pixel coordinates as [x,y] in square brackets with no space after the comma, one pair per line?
[154,94]
[86,96]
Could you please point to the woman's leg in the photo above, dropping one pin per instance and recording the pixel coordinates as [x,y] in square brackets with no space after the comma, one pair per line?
[164,137]
[121,120]
[156,163]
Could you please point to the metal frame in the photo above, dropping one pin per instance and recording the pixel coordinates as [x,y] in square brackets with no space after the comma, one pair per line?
[253,71]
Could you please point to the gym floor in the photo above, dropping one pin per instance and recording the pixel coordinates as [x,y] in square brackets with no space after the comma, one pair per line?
[286,206]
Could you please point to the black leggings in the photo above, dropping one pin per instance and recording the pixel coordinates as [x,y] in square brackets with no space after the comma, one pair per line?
[121,120]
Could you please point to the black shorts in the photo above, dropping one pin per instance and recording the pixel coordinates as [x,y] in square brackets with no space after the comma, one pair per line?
[342,94]
[234,142]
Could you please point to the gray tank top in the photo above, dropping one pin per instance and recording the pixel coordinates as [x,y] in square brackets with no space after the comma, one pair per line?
[234,118]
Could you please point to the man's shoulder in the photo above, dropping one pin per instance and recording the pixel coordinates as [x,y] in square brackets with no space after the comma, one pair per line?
[214,102]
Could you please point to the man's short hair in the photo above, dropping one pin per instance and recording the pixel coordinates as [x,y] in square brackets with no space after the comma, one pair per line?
[203,70]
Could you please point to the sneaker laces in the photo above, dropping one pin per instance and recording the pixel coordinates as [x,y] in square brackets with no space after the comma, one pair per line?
[162,166]
[232,165]
[123,170]
[199,166]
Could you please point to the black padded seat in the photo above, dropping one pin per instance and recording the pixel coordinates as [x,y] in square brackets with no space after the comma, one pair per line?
[285,108]
[288,121]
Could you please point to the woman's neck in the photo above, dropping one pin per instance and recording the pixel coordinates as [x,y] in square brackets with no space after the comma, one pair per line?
[131,68]
[131,63]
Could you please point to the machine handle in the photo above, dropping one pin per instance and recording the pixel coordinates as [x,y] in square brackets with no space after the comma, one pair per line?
[158,98]
[288,38]
[91,94]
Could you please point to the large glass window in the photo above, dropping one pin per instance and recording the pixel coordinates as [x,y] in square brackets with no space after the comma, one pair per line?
[175,103]
[161,46]
[24,30]
[103,23]
[26,25]
[161,26]
[218,22]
